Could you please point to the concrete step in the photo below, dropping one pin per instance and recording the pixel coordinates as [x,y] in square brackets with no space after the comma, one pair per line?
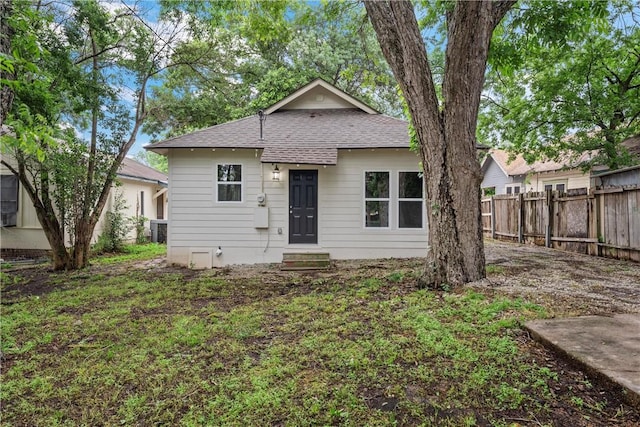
[305,261]
[303,256]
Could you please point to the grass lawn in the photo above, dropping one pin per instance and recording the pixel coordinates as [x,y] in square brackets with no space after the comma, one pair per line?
[116,344]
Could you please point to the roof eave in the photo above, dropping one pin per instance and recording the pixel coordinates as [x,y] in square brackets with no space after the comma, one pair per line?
[147,180]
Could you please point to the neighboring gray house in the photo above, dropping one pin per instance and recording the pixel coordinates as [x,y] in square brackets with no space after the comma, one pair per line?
[503,175]
[317,172]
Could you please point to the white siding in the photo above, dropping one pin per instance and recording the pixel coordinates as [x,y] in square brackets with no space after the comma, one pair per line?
[317,98]
[131,190]
[199,225]
[573,178]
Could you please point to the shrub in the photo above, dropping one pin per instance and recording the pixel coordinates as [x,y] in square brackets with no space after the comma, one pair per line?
[116,227]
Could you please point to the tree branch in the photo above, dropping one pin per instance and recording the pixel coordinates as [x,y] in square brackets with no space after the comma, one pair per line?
[500,8]
[8,166]
[494,102]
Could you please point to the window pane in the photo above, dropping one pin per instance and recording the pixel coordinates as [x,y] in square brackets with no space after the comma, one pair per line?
[509,190]
[229,173]
[229,192]
[9,193]
[516,189]
[410,214]
[377,214]
[377,185]
[410,185]
[9,201]
[548,187]
[560,188]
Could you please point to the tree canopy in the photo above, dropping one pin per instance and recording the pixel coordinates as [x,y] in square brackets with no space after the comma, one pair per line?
[254,53]
[564,80]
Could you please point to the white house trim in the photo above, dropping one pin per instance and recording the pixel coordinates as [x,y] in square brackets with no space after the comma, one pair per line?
[320,83]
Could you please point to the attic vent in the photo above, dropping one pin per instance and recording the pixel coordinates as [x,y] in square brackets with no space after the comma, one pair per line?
[319,98]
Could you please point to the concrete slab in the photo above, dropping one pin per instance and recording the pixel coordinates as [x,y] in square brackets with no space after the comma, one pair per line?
[606,347]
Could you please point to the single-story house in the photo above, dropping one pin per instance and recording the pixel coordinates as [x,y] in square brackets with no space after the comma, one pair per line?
[317,172]
[143,188]
[505,174]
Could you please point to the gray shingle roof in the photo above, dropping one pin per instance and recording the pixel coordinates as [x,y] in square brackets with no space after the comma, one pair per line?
[300,155]
[132,169]
[339,128]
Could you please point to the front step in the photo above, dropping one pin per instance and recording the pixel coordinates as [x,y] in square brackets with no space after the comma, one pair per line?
[305,261]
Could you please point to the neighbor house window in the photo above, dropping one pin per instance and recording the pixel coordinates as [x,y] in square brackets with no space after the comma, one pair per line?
[376,199]
[142,203]
[410,204]
[229,181]
[560,186]
[513,189]
[9,200]
[489,191]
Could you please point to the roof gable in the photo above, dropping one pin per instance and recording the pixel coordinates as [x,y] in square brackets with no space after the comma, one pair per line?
[510,166]
[319,95]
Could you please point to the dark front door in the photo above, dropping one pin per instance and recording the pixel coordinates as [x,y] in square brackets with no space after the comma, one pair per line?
[303,206]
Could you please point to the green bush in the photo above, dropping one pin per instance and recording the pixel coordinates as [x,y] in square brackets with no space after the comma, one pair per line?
[141,237]
[116,227]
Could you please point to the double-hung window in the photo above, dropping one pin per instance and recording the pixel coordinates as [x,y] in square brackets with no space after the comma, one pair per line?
[229,180]
[410,201]
[9,202]
[376,199]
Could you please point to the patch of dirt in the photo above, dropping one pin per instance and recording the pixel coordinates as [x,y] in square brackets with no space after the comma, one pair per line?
[565,283]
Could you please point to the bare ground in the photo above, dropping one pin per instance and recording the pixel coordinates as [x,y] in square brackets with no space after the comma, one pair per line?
[566,283]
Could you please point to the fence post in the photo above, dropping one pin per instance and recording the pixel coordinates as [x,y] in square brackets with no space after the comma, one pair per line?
[493,218]
[599,229]
[520,217]
[547,232]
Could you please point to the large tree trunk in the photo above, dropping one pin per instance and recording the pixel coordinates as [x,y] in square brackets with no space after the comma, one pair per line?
[446,134]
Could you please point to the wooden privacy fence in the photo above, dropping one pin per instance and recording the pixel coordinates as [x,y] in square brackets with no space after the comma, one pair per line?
[603,222]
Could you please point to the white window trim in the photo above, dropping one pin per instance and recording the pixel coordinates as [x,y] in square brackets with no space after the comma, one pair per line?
[513,187]
[365,200]
[399,199]
[554,184]
[241,182]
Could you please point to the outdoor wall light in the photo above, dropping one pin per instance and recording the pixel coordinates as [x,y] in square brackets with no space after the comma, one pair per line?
[276,173]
